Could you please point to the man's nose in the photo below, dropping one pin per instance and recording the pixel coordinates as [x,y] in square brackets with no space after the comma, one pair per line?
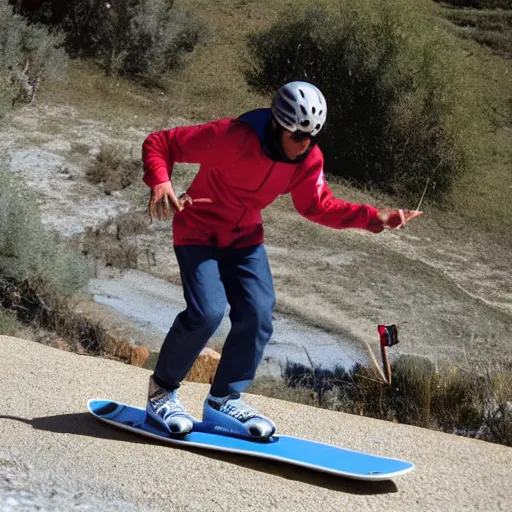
[305,144]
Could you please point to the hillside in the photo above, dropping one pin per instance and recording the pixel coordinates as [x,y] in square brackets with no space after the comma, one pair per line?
[433,278]
[211,84]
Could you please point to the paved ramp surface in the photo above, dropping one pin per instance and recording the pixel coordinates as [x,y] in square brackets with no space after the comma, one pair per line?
[55,456]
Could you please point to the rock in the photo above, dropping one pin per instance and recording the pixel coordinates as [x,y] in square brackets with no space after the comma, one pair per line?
[136,355]
[60,344]
[204,368]
[139,355]
[123,350]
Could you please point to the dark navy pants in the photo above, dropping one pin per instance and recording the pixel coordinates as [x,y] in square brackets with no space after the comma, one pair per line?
[211,279]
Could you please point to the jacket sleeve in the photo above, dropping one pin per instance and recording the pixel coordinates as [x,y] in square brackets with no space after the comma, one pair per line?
[314,200]
[191,144]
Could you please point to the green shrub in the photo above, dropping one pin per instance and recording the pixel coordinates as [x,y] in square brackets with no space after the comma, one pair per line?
[156,38]
[138,38]
[31,252]
[400,107]
[9,324]
[29,56]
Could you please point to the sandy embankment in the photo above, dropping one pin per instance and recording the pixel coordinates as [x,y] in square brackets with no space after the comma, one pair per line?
[53,453]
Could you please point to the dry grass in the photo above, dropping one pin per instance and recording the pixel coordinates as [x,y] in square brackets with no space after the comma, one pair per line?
[277,388]
[113,169]
[114,242]
[212,84]
[114,100]
[491,28]
[50,319]
[483,196]
[475,404]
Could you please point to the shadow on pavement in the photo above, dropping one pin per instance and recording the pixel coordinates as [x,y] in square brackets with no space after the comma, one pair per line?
[84,424]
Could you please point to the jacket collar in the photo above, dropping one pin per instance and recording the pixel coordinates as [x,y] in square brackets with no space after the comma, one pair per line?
[260,120]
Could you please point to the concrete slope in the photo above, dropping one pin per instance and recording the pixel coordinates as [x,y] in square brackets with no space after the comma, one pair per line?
[55,456]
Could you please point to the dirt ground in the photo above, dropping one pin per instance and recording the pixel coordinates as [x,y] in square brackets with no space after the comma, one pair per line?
[56,456]
[444,283]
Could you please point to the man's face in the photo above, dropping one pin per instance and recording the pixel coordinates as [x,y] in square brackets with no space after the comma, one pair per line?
[295,144]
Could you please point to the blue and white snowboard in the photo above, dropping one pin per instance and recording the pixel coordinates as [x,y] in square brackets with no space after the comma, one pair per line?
[292,450]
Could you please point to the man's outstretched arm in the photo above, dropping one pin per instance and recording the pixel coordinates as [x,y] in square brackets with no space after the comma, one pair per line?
[314,200]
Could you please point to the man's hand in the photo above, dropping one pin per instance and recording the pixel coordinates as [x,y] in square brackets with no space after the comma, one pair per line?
[163,202]
[392,219]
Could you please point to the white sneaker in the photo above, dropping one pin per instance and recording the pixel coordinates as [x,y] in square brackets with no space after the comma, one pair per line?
[230,415]
[166,409]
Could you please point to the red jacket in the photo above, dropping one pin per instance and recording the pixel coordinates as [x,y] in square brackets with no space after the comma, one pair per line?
[241,180]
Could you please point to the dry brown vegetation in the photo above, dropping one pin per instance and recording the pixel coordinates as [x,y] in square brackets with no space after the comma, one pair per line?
[474,403]
[54,322]
[115,243]
[113,169]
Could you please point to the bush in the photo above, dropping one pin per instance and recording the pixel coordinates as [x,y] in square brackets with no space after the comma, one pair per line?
[9,324]
[449,399]
[113,169]
[317,379]
[138,38]
[498,410]
[43,307]
[30,252]
[400,110]
[29,56]
[458,399]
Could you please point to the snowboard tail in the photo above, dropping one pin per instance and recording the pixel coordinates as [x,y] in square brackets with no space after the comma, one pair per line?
[301,452]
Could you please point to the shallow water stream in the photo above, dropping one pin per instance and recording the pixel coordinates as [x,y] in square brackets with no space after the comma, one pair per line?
[152,303]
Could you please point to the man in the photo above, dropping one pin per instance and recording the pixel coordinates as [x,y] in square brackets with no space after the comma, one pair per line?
[245,163]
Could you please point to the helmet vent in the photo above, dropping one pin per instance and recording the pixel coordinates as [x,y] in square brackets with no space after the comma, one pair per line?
[313,109]
[303,110]
[288,95]
[305,122]
[302,93]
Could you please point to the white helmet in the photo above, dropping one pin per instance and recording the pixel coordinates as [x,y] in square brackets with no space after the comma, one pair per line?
[300,106]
